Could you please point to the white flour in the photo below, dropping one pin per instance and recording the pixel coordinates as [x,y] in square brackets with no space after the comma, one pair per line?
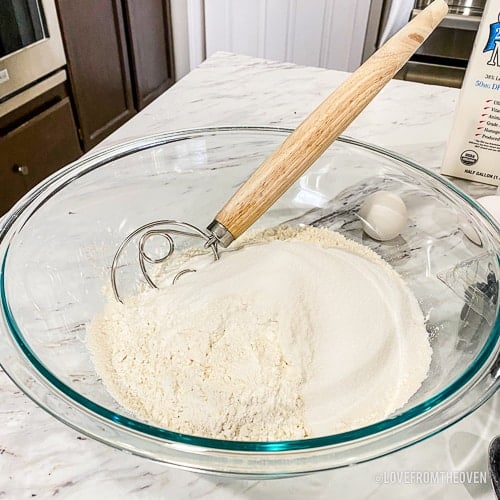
[296,332]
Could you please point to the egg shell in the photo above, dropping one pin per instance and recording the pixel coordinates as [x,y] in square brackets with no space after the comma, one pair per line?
[492,205]
[383,215]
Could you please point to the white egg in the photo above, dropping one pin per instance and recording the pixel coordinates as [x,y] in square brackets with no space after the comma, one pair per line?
[492,205]
[383,215]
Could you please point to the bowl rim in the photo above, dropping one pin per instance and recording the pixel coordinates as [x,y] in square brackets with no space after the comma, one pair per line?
[423,411]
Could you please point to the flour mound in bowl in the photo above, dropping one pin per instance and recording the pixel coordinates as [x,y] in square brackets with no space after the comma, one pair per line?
[294,333]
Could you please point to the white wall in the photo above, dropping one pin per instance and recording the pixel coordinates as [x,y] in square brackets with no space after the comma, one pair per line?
[180,36]
[326,33]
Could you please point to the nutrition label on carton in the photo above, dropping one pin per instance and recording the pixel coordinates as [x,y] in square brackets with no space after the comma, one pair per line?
[483,138]
[474,143]
[487,132]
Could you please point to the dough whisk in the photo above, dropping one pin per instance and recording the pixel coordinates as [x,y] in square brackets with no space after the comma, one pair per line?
[295,155]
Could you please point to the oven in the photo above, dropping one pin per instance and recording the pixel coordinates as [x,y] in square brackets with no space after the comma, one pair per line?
[31,50]
[443,57]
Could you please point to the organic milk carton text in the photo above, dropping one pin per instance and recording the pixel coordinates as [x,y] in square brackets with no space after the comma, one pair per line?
[474,146]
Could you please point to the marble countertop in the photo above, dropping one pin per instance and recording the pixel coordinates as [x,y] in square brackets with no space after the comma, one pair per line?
[42,458]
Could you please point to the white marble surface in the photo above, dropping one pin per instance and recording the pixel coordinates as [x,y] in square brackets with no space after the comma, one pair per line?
[42,458]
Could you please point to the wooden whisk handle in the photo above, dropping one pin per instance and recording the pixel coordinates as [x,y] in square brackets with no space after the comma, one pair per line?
[317,132]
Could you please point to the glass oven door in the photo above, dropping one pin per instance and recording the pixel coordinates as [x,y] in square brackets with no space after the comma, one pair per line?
[22,23]
[31,47]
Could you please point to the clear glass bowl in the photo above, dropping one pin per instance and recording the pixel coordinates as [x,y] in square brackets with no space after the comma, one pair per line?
[58,242]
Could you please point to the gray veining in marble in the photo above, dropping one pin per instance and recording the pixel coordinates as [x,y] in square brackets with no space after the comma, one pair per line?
[42,458]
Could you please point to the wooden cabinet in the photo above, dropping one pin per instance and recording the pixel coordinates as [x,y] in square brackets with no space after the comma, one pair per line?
[35,149]
[99,72]
[12,185]
[151,50]
[119,56]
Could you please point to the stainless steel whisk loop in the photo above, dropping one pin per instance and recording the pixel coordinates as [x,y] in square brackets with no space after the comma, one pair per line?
[154,229]
[299,151]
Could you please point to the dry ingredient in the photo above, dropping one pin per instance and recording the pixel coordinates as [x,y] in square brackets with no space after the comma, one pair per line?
[295,332]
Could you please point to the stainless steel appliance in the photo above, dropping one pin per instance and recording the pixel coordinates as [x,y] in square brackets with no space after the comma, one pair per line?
[458,7]
[443,58]
[31,49]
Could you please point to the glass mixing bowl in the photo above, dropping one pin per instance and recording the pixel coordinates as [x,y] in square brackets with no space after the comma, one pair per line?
[58,242]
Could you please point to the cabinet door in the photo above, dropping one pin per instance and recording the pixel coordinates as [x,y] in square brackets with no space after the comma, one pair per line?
[149,31]
[96,49]
[34,150]
[12,183]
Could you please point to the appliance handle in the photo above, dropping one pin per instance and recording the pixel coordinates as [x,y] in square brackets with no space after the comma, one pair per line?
[456,21]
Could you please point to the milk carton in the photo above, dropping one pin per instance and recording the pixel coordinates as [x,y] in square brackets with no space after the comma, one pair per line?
[473,150]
